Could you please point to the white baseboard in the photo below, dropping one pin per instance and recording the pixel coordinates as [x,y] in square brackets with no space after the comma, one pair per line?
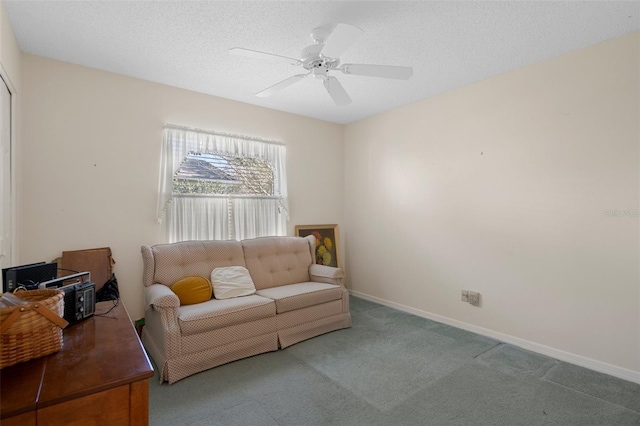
[592,364]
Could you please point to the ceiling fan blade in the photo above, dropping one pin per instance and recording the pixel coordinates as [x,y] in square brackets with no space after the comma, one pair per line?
[279,86]
[263,55]
[340,39]
[336,91]
[383,71]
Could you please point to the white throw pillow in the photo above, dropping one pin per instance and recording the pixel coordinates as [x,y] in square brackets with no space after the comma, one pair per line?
[231,281]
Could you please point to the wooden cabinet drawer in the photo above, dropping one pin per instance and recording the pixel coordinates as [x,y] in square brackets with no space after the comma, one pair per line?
[109,407]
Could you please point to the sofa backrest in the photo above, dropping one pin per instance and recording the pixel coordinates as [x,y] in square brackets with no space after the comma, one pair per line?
[168,263]
[276,261]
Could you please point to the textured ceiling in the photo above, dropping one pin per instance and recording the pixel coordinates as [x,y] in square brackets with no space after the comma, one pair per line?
[185,43]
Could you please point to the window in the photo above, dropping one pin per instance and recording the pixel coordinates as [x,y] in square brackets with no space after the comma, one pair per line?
[216,173]
[217,186]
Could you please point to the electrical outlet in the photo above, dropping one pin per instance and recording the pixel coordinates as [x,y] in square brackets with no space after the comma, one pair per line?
[474,298]
[465,296]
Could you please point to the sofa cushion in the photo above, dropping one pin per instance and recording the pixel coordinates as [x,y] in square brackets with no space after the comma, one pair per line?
[215,314]
[192,290]
[301,295]
[231,281]
[174,261]
[275,261]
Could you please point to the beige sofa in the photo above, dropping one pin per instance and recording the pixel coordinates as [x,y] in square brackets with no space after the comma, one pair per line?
[295,300]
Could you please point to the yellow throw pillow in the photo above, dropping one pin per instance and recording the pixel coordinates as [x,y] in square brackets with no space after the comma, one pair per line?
[192,290]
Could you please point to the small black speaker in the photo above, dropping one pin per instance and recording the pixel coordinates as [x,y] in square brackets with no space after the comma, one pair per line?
[79,301]
[79,297]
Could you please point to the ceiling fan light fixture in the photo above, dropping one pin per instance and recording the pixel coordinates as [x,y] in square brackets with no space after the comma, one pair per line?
[319,73]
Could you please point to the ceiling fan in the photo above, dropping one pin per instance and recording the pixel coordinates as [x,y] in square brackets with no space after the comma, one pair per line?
[323,57]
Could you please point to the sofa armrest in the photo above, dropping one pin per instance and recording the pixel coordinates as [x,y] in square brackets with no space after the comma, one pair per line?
[162,320]
[149,265]
[326,274]
[161,296]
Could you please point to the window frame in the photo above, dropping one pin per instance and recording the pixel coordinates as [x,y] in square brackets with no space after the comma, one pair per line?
[247,215]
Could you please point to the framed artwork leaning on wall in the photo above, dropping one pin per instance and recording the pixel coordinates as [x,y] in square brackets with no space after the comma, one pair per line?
[327,242]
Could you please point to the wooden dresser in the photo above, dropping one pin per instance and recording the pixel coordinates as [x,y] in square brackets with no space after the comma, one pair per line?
[100,377]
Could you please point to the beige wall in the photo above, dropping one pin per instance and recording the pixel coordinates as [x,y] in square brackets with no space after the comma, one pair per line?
[9,50]
[11,72]
[91,159]
[503,187]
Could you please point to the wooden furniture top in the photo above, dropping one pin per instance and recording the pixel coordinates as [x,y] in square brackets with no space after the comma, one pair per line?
[99,353]
[20,386]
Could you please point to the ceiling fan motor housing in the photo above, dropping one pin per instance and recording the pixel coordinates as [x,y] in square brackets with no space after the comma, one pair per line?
[313,61]
[320,34]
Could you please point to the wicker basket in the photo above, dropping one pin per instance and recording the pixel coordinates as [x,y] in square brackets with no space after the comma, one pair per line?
[32,330]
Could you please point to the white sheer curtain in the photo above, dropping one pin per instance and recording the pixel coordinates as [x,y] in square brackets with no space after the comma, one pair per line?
[257,218]
[198,218]
[216,217]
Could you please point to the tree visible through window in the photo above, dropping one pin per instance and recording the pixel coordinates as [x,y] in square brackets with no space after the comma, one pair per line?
[214,173]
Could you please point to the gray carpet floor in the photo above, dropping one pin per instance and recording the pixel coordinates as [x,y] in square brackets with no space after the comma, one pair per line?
[393,368]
